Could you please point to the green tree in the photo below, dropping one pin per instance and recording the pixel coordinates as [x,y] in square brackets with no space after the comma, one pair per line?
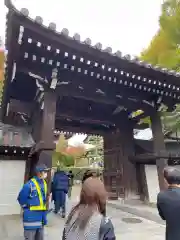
[66,156]
[59,157]
[170,24]
[164,50]
[171,121]
[170,20]
[97,153]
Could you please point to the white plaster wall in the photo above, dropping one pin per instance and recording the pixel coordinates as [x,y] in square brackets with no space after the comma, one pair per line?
[177,166]
[152,182]
[11,181]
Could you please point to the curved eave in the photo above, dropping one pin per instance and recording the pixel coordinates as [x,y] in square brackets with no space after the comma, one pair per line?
[74,43]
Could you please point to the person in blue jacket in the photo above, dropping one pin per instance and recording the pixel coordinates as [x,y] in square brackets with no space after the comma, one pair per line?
[60,190]
[33,198]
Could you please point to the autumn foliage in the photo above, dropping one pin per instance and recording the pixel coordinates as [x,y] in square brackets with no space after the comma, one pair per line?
[66,155]
[164,51]
[164,48]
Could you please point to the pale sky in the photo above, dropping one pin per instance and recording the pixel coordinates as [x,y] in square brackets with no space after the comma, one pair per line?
[125,25]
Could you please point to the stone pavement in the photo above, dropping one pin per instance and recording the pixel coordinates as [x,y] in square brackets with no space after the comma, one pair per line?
[127,226]
[11,228]
[138,208]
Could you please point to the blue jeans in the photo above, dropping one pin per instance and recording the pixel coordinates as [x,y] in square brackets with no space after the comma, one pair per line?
[60,201]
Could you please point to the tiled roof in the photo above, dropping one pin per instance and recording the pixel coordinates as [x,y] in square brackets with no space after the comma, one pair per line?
[87,42]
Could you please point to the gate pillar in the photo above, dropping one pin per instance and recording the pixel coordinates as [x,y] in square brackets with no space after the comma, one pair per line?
[43,133]
[129,180]
[159,146]
[44,123]
[48,120]
[36,124]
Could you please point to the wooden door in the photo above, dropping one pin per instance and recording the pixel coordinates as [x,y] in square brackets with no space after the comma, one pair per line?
[113,166]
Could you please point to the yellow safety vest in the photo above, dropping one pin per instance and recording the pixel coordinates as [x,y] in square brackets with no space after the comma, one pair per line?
[41,206]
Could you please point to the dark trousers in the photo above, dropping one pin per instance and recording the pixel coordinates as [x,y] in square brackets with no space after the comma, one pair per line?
[37,234]
[70,191]
[60,201]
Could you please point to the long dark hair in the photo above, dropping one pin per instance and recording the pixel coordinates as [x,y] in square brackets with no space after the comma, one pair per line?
[92,198]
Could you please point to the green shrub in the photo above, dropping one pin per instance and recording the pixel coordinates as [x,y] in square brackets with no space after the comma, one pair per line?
[62,159]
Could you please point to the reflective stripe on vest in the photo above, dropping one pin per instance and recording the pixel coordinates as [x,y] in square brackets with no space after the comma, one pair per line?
[41,206]
[32,224]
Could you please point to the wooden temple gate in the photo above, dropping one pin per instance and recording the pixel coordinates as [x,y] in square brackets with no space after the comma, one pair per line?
[61,83]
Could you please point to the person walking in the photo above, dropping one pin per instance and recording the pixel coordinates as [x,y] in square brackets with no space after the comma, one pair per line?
[60,190]
[86,221]
[71,182]
[33,199]
[168,203]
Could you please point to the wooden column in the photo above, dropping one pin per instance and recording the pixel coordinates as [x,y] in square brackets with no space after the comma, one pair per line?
[47,132]
[48,119]
[159,146]
[43,133]
[129,169]
[36,124]
[142,182]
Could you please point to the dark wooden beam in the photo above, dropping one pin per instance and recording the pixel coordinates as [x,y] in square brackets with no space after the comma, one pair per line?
[83,119]
[139,117]
[97,118]
[43,34]
[144,161]
[91,68]
[97,97]
[83,110]
[82,128]
[141,126]
[91,94]
[105,77]
[79,78]
[67,113]
[148,158]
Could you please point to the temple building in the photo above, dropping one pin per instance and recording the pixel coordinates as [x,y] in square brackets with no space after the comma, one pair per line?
[54,82]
